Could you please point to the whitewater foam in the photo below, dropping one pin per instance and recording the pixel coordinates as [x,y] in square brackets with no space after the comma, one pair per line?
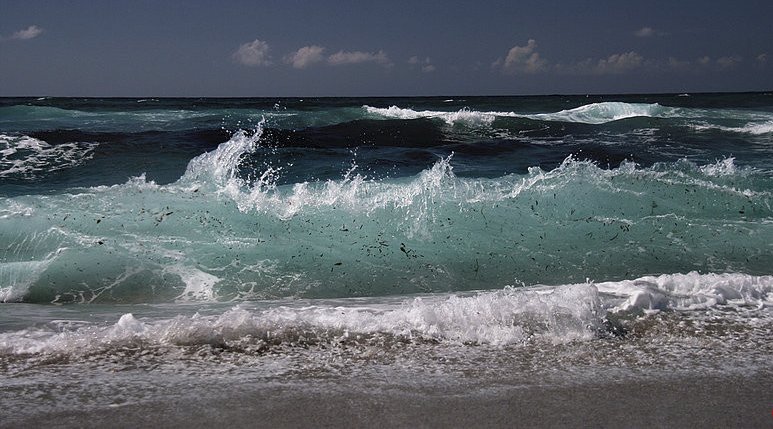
[462,116]
[27,157]
[691,291]
[503,317]
[199,286]
[511,316]
[753,128]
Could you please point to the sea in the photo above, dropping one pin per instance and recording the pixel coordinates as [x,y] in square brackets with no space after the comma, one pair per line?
[200,251]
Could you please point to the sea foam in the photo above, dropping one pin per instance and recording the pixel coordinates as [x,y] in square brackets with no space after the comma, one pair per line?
[27,157]
[510,316]
[691,291]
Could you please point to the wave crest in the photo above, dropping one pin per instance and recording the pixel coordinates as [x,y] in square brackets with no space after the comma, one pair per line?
[602,113]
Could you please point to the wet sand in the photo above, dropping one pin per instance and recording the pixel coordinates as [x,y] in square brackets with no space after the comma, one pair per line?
[692,401]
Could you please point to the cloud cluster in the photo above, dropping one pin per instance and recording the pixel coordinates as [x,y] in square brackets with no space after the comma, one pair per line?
[707,63]
[617,63]
[611,65]
[519,59]
[729,62]
[525,59]
[256,53]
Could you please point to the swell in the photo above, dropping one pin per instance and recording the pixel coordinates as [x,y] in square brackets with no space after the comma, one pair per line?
[171,115]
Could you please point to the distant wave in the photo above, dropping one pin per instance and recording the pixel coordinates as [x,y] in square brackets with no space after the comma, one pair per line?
[602,113]
[597,114]
[465,116]
[751,128]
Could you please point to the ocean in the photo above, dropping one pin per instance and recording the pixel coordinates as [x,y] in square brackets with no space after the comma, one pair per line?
[224,259]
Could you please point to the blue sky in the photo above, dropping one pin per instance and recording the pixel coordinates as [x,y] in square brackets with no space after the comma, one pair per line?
[362,48]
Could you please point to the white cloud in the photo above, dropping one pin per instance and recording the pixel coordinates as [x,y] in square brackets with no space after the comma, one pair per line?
[359,57]
[425,64]
[305,56]
[647,31]
[28,33]
[644,32]
[253,53]
[614,64]
[728,62]
[522,59]
[619,63]
[705,63]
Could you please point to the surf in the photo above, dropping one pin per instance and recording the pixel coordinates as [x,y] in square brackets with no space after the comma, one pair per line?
[225,231]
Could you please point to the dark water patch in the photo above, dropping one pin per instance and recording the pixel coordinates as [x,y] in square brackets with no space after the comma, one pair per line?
[416,133]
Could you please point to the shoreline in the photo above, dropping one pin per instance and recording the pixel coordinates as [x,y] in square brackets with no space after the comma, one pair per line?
[685,401]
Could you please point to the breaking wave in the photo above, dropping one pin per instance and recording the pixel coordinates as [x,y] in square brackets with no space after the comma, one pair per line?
[227,231]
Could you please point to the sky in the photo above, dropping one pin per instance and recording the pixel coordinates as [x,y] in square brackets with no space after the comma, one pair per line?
[166,48]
